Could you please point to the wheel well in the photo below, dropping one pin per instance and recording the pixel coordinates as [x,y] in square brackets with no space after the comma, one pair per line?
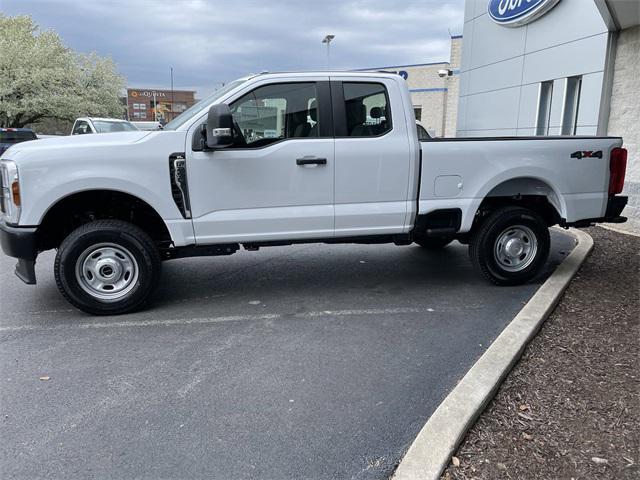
[83,207]
[538,203]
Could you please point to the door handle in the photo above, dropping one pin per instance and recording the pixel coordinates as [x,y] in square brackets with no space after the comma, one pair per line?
[311,161]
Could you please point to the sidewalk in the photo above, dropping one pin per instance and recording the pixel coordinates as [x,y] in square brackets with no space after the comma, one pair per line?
[571,406]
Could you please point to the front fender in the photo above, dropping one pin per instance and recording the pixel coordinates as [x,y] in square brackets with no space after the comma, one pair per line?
[35,207]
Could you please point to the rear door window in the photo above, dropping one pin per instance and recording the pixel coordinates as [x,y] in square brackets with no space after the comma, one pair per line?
[367,109]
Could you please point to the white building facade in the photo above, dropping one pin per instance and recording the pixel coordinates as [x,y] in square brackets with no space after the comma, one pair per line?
[553,67]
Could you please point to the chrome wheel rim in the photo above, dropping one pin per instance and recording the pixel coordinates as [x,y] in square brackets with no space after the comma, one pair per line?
[107,272]
[515,248]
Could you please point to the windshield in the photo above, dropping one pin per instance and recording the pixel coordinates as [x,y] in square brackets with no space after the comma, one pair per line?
[106,126]
[192,111]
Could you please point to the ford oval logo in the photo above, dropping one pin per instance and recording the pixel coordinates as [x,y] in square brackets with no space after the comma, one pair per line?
[515,13]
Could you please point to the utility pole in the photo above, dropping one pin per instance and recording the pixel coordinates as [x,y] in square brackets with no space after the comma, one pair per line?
[327,39]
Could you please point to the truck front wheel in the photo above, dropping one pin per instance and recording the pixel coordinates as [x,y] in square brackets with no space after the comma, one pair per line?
[510,246]
[107,267]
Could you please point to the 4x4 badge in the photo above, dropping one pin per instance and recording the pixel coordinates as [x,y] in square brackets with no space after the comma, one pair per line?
[587,154]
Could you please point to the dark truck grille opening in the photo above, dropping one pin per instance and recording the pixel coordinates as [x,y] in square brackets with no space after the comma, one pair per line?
[179,187]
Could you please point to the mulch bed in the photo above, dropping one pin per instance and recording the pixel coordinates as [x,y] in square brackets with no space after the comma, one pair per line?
[571,407]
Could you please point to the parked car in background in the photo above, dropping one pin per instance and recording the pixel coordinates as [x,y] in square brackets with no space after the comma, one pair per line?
[10,136]
[86,125]
[147,125]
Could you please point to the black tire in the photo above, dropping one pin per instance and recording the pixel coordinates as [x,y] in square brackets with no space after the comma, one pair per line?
[434,243]
[127,253]
[488,252]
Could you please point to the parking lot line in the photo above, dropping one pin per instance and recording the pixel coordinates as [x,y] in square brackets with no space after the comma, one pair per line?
[207,320]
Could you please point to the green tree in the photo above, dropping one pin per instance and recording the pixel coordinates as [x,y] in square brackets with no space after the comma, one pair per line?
[42,79]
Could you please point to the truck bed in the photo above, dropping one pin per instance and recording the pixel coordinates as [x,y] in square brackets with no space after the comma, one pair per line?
[573,172]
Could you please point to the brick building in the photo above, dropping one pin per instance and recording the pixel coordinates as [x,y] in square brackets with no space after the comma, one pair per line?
[146,104]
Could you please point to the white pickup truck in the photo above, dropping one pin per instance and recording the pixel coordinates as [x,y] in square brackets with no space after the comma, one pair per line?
[277,159]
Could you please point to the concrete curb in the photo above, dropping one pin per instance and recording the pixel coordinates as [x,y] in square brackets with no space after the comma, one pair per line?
[432,449]
[619,230]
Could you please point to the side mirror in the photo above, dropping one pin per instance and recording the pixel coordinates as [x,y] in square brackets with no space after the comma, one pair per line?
[219,128]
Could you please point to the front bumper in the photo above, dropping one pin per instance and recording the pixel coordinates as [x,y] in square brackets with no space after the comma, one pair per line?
[21,243]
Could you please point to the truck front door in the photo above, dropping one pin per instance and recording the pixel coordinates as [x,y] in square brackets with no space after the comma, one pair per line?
[276,181]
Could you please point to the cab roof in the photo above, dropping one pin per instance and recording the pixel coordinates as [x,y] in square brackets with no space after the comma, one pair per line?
[329,73]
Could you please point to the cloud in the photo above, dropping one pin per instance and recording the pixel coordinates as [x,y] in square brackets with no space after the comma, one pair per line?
[211,42]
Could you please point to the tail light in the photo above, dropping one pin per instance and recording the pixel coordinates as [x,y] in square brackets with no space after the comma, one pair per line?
[617,169]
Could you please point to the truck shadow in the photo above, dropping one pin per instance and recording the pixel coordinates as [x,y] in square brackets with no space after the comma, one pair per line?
[325,274]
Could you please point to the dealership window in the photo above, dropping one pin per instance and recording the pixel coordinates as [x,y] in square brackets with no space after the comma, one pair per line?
[417,111]
[367,109]
[570,105]
[275,112]
[545,93]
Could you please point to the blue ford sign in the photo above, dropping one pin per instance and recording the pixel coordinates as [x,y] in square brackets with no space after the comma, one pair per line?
[515,13]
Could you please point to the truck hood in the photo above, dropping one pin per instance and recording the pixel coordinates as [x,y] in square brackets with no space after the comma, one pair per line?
[72,142]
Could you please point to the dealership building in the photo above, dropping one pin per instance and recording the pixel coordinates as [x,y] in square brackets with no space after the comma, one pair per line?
[553,67]
[148,104]
[434,90]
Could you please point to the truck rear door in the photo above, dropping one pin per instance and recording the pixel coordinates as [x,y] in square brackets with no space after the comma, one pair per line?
[372,156]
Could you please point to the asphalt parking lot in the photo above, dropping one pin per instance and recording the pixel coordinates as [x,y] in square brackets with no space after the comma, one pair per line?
[311,361]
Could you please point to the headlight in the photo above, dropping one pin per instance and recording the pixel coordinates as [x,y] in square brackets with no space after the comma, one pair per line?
[10,200]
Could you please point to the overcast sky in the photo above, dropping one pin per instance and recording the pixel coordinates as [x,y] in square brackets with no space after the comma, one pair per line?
[208,42]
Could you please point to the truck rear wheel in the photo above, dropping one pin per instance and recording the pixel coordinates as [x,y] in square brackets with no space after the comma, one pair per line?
[510,246]
[107,267]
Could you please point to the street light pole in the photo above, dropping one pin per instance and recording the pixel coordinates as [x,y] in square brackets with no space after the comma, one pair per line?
[172,106]
[155,107]
[327,39]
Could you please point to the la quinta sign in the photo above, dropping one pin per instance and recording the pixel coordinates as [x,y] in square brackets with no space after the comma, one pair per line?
[515,13]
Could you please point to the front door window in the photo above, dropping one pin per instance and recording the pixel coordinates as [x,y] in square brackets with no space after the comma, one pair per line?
[276,112]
